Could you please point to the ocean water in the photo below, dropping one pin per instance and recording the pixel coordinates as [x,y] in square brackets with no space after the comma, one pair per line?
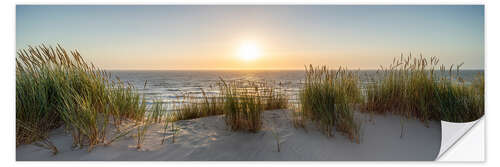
[171,86]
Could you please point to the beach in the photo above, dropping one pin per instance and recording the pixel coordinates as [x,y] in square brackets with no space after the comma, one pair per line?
[208,138]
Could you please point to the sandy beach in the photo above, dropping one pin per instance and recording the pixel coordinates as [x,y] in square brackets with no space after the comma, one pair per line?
[209,139]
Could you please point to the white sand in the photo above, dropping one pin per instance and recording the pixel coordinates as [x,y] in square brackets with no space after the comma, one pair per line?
[209,139]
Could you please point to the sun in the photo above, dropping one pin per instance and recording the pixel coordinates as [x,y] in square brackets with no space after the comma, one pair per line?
[249,51]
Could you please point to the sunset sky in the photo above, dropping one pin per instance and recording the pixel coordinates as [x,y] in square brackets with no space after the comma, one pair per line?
[256,37]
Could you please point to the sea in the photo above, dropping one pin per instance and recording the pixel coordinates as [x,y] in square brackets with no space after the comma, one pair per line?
[172,86]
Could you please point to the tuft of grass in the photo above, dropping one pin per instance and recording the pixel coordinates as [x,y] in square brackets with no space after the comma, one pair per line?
[55,87]
[155,114]
[87,125]
[274,98]
[125,103]
[327,98]
[142,130]
[191,107]
[298,118]
[269,98]
[243,106]
[414,87]
[244,102]
[168,118]
[157,111]
[175,130]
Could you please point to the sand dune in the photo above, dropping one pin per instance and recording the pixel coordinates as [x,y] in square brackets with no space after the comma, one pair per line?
[209,139]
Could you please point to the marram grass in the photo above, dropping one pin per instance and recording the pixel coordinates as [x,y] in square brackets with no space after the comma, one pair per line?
[235,96]
[243,106]
[54,88]
[191,107]
[414,87]
[327,98]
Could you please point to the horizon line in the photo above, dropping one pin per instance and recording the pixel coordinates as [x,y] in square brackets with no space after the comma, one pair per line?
[239,69]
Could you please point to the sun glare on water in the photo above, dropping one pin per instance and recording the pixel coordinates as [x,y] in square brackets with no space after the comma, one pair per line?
[249,51]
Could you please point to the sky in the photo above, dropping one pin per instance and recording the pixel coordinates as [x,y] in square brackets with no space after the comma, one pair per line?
[166,37]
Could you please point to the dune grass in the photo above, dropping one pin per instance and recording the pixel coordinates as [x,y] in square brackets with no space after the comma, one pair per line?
[54,87]
[192,107]
[168,119]
[243,106]
[241,93]
[414,87]
[298,117]
[142,129]
[327,98]
[274,97]
[158,112]
[126,103]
